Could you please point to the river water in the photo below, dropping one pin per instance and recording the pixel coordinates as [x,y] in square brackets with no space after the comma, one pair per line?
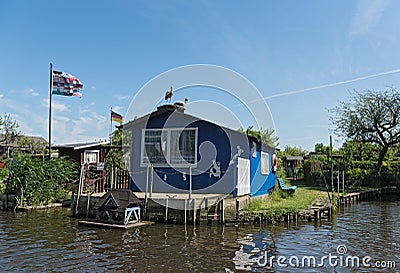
[51,241]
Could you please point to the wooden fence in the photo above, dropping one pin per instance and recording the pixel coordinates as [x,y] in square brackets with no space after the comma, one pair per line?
[117,179]
[94,180]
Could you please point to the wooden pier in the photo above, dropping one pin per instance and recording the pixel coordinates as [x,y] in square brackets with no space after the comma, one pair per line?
[367,195]
[115,226]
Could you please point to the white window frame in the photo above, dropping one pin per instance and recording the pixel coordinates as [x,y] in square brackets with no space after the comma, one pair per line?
[166,132]
[87,159]
[264,163]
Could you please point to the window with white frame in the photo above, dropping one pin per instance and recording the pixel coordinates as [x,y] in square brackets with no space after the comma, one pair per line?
[154,144]
[164,147]
[91,156]
[264,163]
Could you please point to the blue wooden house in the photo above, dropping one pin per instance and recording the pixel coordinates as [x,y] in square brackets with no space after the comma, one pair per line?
[173,152]
[263,164]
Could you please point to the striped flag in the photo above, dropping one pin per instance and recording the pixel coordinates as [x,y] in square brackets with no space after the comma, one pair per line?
[65,84]
[116,117]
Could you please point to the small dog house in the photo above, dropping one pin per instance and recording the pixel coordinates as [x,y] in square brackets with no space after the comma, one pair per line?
[117,207]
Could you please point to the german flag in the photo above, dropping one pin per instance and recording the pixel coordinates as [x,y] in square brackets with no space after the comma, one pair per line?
[116,117]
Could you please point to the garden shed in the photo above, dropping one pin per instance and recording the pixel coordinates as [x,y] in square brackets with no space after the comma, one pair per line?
[176,153]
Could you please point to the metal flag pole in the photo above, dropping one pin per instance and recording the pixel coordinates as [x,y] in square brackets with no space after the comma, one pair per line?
[111,126]
[51,87]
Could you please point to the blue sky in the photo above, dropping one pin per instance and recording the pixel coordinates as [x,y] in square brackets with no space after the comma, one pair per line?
[303,56]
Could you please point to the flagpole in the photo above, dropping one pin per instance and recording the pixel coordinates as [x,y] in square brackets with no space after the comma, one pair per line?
[111,126]
[51,87]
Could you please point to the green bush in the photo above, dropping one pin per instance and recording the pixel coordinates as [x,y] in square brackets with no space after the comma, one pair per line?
[37,182]
[2,187]
[313,170]
[3,170]
[362,174]
[357,177]
[365,165]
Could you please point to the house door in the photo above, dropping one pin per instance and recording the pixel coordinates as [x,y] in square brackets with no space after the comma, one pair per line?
[243,176]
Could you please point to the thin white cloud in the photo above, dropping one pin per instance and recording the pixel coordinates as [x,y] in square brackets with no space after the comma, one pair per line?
[1,96]
[81,126]
[29,121]
[62,119]
[119,97]
[331,84]
[32,92]
[367,16]
[25,127]
[60,128]
[100,120]
[83,120]
[118,108]
[83,111]
[55,105]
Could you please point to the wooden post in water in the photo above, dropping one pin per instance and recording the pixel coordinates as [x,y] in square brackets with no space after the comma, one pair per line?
[342,182]
[316,215]
[151,180]
[194,211]
[185,210]
[72,205]
[166,209]
[190,182]
[79,189]
[147,189]
[222,211]
[87,206]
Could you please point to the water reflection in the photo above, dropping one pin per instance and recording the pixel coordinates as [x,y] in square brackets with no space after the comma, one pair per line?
[52,241]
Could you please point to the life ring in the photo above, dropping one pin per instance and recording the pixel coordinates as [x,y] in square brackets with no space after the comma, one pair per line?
[274,163]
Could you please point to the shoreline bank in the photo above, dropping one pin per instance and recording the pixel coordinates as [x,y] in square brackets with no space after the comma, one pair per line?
[322,210]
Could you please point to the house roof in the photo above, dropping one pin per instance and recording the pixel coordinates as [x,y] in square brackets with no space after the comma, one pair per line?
[178,110]
[294,158]
[78,146]
[37,138]
[160,110]
[117,199]
[32,138]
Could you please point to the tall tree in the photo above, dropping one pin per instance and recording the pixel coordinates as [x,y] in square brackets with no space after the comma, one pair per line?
[293,151]
[319,148]
[8,129]
[372,116]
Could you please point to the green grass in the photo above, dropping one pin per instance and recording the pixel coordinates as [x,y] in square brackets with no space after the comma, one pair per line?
[280,203]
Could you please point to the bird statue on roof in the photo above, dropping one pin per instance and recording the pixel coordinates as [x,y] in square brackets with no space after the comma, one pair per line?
[168,94]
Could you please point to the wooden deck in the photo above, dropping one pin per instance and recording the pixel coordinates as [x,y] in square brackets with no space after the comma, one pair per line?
[116,226]
[368,195]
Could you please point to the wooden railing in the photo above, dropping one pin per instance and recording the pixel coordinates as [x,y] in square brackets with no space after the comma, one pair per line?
[117,179]
[94,180]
